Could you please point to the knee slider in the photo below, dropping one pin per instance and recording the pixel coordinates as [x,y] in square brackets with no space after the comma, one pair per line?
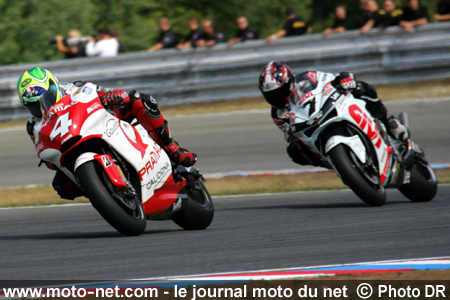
[149,103]
[151,106]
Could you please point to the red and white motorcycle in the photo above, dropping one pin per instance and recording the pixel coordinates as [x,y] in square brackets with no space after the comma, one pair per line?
[127,176]
[338,129]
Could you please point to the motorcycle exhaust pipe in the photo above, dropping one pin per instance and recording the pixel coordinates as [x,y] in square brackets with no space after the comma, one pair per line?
[404,119]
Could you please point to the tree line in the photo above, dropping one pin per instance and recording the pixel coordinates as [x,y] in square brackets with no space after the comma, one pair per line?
[27,25]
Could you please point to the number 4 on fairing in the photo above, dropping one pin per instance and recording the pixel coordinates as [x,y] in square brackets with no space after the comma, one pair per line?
[61,127]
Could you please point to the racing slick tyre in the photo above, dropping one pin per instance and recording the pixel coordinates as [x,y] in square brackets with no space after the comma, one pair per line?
[125,215]
[422,186]
[364,182]
[199,210]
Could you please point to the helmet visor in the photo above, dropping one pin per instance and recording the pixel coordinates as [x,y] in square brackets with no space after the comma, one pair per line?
[34,108]
[277,97]
[50,97]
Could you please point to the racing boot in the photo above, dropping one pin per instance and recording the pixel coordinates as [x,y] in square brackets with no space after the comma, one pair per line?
[176,153]
[146,110]
[396,129]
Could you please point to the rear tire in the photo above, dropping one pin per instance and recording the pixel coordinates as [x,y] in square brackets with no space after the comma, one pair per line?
[91,176]
[198,212]
[422,186]
[351,176]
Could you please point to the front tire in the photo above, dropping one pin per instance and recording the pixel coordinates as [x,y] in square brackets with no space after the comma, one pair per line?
[199,210]
[93,181]
[370,193]
[422,186]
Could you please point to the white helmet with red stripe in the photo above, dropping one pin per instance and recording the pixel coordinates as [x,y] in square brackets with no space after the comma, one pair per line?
[277,83]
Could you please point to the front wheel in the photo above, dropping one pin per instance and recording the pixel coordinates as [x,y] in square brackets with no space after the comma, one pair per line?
[364,181]
[422,186]
[125,215]
[199,210]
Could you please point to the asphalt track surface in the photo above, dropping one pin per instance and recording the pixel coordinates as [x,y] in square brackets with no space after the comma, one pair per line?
[227,142]
[248,233]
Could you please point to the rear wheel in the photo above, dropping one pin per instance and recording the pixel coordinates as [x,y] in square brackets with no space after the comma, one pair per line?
[124,214]
[362,179]
[199,210]
[422,186]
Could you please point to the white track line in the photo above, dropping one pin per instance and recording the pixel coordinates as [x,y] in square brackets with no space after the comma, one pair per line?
[45,206]
[214,199]
[290,269]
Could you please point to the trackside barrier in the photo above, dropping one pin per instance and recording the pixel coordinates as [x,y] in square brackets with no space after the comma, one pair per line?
[223,73]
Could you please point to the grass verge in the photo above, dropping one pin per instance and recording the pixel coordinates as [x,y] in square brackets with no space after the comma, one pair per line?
[434,89]
[45,195]
[14,123]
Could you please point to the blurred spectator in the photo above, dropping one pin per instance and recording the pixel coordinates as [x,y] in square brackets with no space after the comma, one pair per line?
[209,36]
[104,45]
[167,38]
[362,20]
[192,37]
[370,15]
[390,15]
[70,51]
[115,34]
[414,14]
[443,11]
[245,32]
[293,26]
[341,24]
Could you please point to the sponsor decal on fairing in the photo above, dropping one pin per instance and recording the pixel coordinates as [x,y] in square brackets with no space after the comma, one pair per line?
[112,125]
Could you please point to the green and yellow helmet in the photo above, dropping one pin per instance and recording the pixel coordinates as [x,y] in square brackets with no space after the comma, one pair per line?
[33,85]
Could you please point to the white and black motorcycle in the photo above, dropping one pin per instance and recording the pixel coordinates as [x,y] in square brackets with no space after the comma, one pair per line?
[339,130]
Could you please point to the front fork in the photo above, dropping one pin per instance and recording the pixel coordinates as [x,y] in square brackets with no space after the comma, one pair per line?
[115,175]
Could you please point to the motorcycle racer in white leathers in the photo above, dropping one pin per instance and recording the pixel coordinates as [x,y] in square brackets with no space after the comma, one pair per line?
[280,87]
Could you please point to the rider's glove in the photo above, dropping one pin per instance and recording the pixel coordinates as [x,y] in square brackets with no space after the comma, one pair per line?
[347,81]
[114,97]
